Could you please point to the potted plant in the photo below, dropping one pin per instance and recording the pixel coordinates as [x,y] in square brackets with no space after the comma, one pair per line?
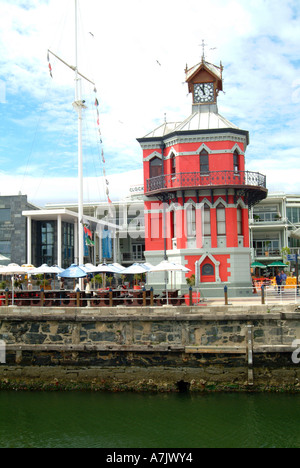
[137,279]
[267,251]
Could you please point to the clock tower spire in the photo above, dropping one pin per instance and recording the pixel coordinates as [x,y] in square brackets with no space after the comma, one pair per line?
[205,81]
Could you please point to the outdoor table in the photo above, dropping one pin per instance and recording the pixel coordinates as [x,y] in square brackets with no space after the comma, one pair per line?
[1,297]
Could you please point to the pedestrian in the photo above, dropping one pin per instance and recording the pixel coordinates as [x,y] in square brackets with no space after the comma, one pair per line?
[88,292]
[283,279]
[278,282]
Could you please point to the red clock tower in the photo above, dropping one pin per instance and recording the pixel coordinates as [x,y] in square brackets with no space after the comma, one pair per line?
[198,193]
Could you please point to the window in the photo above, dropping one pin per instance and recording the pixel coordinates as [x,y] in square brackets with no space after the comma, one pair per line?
[47,243]
[191,221]
[207,228]
[204,162]
[68,244]
[267,247]
[221,220]
[239,221]
[173,162]
[5,215]
[5,248]
[155,167]
[208,270]
[236,161]
[293,214]
[138,252]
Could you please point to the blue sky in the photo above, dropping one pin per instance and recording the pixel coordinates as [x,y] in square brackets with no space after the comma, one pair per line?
[257,42]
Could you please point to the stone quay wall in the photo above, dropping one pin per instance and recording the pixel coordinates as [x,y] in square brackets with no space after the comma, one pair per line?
[151,349]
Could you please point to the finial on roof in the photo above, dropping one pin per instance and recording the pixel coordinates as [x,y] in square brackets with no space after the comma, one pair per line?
[203,50]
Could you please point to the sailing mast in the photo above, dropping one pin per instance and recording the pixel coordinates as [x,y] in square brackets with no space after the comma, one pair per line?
[79,106]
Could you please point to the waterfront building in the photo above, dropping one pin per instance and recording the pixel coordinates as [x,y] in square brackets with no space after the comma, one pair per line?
[13,240]
[198,192]
[117,232]
[275,227]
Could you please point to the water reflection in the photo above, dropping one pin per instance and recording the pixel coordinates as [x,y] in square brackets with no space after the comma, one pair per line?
[148,421]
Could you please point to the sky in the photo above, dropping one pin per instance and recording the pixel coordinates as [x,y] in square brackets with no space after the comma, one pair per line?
[136,53]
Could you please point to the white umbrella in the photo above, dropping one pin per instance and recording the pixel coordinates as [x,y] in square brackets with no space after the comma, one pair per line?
[167,266]
[104,268]
[13,269]
[45,270]
[135,269]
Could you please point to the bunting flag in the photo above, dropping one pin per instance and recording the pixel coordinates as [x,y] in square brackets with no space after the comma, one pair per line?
[87,230]
[102,155]
[49,65]
[88,235]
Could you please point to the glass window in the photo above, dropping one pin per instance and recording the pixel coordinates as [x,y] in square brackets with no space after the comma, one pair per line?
[155,167]
[236,161]
[208,270]
[191,221]
[5,215]
[204,162]
[5,248]
[207,228]
[47,243]
[173,161]
[221,220]
[239,221]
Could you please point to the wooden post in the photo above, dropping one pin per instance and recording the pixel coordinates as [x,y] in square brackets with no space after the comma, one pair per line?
[151,298]
[226,295]
[42,298]
[144,297]
[110,298]
[263,301]
[77,298]
[249,333]
[191,296]
[6,297]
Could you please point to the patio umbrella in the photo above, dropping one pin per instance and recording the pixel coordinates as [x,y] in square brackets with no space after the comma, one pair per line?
[45,270]
[278,264]
[105,268]
[74,271]
[258,265]
[167,266]
[13,269]
[135,269]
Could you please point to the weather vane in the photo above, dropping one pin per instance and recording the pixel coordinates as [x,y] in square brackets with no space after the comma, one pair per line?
[203,45]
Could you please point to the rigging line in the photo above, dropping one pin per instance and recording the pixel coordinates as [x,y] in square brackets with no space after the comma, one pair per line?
[94,159]
[39,119]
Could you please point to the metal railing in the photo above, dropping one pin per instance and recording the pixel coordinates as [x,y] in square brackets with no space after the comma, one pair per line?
[210,179]
[203,296]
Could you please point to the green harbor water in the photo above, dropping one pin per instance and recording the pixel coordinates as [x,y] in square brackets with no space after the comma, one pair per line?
[125,420]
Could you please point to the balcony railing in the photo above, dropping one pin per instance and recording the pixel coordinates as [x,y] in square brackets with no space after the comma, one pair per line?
[210,179]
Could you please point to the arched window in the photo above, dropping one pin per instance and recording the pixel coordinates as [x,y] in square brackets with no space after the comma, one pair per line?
[191,221]
[236,162]
[204,162]
[239,221]
[173,164]
[155,167]
[221,220]
[206,217]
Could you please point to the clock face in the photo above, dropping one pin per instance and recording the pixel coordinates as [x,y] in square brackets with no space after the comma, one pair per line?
[204,92]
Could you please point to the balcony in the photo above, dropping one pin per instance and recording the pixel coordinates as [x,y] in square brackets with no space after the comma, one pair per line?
[252,183]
